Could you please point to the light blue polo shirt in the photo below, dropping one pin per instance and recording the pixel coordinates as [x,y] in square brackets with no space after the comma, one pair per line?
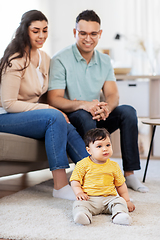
[70,71]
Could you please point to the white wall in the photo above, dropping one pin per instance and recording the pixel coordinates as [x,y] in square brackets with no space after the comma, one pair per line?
[135,19]
[138,19]
[10,16]
[62,16]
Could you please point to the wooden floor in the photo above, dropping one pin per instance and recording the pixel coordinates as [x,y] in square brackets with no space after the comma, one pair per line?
[15,183]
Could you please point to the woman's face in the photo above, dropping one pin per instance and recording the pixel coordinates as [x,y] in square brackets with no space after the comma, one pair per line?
[38,33]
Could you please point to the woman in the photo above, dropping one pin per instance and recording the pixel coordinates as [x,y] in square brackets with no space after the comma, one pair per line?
[24,79]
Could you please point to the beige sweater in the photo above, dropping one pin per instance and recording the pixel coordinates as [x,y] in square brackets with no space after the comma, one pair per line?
[20,90]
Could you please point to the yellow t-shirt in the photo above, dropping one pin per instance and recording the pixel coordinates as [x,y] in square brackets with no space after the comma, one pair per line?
[98,179]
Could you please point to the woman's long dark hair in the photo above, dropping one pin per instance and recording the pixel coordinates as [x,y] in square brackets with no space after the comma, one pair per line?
[21,40]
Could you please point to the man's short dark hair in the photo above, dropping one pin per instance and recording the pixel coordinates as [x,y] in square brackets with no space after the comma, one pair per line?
[95,134]
[88,15]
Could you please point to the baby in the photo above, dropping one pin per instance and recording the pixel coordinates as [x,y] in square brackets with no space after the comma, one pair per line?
[96,180]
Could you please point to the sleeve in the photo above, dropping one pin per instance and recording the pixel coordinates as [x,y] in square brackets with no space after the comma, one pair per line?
[118,176]
[57,74]
[10,87]
[110,74]
[78,172]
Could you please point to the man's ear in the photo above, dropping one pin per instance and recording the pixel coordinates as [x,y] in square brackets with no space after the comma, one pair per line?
[74,32]
[100,33]
[88,150]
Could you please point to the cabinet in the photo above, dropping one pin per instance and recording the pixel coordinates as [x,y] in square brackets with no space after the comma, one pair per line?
[136,94]
[145,84]
[143,93]
[155,98]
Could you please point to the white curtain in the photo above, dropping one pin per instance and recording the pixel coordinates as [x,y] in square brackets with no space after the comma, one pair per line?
[142,28]
[10,17]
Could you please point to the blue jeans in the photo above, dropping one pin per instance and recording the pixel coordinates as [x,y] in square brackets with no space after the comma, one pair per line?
[122,117]
[50,125]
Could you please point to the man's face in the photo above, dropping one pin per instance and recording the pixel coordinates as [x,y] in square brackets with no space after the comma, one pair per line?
[87,35]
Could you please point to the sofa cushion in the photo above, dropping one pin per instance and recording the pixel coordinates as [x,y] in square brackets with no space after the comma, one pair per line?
[23,149]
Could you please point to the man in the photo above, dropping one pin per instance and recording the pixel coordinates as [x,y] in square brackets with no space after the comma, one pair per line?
[77,75]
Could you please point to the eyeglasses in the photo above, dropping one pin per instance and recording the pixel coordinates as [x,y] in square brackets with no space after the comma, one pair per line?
[83,34]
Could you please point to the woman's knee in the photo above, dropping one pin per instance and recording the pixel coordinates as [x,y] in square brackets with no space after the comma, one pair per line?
[53,115]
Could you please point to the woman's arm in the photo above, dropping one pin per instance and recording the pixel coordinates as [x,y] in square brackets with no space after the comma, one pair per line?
[20,90]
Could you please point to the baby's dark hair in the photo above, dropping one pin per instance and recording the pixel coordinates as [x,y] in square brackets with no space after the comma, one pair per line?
[95,134]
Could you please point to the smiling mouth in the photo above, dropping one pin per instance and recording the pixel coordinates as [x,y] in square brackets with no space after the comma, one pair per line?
[87,44]
[40,42]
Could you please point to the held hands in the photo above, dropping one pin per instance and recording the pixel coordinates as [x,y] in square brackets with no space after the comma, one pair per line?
[102,112]
[99,110]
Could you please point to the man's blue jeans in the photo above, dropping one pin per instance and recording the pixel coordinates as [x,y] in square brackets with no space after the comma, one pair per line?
[123,117]
[50,125]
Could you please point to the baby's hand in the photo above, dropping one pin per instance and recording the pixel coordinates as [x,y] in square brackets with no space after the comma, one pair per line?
[131,206]
[82,196]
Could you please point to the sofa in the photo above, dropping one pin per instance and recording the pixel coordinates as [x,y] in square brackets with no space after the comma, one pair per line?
[21,154]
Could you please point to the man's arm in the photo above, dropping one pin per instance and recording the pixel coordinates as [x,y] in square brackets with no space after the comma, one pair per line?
[111,95]
[110,91]
[56,99]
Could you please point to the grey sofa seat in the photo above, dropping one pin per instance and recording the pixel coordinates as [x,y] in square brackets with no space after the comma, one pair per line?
[21,154]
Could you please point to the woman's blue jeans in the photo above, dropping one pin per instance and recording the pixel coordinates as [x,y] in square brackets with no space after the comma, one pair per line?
[123,117]
[50,125]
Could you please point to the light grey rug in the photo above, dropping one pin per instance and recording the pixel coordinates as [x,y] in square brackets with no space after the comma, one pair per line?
[35,215]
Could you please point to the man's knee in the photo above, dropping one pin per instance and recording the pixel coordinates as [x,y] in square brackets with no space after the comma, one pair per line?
[128,112]
[82,120]
[80,115]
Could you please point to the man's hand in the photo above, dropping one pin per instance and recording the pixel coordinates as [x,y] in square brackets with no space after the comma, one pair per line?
[98,110]
[91,107]
[102,113]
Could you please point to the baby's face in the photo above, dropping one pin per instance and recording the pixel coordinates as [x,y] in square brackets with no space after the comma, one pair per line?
[100,150]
